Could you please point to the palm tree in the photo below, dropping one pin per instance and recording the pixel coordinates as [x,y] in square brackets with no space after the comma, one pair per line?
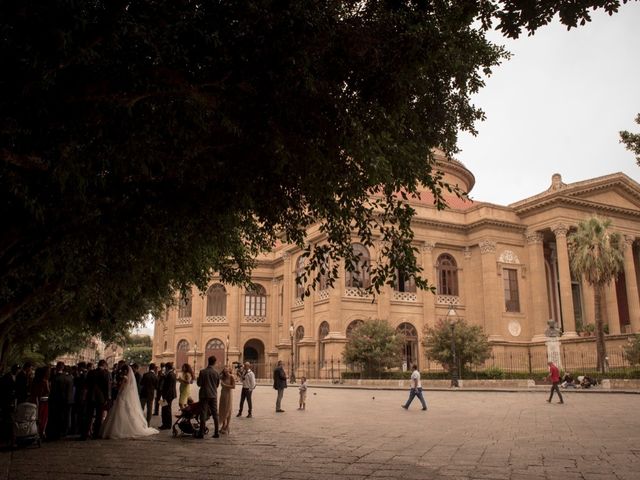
[597,254]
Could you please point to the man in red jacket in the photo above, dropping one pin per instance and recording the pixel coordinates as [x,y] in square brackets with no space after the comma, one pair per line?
[554,376]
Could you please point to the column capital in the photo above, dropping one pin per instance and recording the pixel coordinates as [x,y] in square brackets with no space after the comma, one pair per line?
[487,246]
[428,246]
[467,253]
[560,230]
[628,241]
[533,237]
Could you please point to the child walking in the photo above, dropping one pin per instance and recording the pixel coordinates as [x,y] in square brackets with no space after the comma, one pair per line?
[303,393]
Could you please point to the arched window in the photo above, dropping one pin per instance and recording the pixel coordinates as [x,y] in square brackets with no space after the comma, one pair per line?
[410,347]
[447,275]
[182,354]
[216,301]
[404,282]
[298,279]
[184,305]
[215,347]
[353,326]
[299,337]
[255,302]
[323,332]
[359,277]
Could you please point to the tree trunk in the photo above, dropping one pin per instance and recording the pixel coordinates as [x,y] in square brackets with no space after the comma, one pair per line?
[601,347]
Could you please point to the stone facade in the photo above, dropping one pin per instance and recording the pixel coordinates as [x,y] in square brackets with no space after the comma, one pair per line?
[505,268]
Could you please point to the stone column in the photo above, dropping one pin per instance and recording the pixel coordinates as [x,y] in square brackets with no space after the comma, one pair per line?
[235,315]
[611,306]
[272,349]
[566,297]
[538,285]
[632,285]
[287,298]
[493,298]
[428,298]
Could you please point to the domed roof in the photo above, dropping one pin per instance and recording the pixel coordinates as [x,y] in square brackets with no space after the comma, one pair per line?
[455,171]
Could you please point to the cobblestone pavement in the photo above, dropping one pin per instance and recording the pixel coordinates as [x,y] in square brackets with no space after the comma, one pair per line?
[358,434]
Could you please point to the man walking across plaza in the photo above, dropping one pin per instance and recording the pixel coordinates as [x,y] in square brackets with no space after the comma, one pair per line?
[208,381]
[279,383]
[416,389]
[554,376]
[248,385]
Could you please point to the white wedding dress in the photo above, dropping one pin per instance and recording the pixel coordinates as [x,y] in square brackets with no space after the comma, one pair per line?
[125,418]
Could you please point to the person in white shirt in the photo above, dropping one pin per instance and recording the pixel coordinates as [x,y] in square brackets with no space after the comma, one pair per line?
[416,389]
[248,385]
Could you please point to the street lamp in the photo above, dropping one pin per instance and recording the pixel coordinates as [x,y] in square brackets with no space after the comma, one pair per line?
[226,352]
[451,316]
[292,377]
[195,355]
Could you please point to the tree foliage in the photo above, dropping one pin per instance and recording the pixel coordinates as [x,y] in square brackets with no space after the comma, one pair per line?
[137,354]
[632,141]
[472,346]
[597,255]
[145,145]
[632,350]
[374,345]
[43,346]
[138,340]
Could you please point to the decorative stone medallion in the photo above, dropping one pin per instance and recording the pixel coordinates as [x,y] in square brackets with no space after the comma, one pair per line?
[514,328]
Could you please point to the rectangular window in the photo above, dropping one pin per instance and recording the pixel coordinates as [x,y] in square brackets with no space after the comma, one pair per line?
[511,296]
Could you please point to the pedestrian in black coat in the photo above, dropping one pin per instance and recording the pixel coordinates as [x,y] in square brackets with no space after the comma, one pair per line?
[168,395]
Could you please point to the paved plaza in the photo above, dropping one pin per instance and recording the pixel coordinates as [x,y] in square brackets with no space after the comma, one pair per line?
[357,434]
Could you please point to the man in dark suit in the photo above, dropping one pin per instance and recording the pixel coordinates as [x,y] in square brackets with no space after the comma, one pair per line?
[60,400]
[279,383]
[168,395]
[156,404]
[149,384]
[208,381]
[98,396]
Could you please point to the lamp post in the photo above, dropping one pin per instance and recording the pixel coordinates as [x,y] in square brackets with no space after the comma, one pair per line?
[195,355]
[226,352]
[292,377]
[451,317]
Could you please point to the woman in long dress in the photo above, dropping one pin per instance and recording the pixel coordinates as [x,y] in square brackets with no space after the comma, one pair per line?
[228,383]
[125,418]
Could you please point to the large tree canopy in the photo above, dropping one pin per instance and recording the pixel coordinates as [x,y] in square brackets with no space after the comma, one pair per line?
[146,144]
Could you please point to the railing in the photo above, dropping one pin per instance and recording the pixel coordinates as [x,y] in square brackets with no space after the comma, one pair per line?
[521,364]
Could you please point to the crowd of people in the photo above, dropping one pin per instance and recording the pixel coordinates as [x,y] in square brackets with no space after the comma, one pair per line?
[84,400]
[93,401]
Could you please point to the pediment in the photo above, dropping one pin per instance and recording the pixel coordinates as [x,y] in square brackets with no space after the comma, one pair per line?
[615,192]
[610,196]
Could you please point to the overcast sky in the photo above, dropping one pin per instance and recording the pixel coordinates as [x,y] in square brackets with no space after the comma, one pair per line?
[557,106]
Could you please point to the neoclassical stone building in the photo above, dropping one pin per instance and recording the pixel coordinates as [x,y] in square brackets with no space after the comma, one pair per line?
[505,268]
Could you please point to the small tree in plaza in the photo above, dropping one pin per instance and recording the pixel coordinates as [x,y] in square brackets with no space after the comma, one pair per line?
[632,351]
[472,346]
[597,254]
[374,345]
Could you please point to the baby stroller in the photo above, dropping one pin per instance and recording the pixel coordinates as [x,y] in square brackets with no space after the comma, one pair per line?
[188,420]
[25,424]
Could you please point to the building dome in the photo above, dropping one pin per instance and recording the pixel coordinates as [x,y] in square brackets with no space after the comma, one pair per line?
[454,171]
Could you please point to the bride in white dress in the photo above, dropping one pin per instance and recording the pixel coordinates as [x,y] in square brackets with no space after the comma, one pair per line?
[125,418]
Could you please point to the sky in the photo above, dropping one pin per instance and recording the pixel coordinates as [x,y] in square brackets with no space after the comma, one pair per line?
[556,107]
